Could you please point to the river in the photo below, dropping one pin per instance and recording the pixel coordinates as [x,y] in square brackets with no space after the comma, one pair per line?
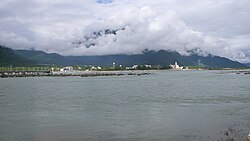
[164,106]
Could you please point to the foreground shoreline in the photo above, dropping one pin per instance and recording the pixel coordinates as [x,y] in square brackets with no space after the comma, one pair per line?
[12,74]
[46,73]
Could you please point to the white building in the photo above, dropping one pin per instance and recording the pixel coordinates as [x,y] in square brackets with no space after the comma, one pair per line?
[148,66]
[134,66]
[129,68]
[65,69]
[176,66]
[96,68]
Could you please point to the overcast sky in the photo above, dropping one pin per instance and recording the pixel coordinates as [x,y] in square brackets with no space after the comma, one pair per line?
[208,26]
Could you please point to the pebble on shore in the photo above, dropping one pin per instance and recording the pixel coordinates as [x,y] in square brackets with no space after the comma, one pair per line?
[248,137]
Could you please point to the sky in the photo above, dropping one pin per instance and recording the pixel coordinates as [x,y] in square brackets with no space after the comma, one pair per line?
[79,27]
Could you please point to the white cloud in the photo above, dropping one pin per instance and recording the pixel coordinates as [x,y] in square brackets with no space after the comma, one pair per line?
[147,28]
[220,28]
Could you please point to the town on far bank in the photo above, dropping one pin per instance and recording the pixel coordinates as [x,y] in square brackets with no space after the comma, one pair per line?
[93,70]
[112,67]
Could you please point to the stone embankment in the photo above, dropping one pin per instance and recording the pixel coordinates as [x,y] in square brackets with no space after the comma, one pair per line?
[7,74]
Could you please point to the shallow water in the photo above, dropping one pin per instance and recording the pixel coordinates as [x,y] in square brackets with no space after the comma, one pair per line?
[167,105]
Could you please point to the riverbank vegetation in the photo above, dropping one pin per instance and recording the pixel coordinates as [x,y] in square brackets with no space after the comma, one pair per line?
[105,68]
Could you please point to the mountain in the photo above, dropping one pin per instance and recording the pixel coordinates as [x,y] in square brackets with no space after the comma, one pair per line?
[8,57]
[149,57]
[214,61]
[247,64]
[161,57]
[44,58]
[27,57]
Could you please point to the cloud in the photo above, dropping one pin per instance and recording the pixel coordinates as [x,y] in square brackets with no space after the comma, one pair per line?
[127,27]
[145,28]
[104,1]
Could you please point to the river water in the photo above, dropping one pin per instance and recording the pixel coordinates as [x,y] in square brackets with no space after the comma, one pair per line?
[164,106]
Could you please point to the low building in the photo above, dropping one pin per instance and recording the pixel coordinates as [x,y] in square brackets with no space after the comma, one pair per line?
[148,66]
[96,68]
[134,66]
[175,66]
[129,68]
[68,68]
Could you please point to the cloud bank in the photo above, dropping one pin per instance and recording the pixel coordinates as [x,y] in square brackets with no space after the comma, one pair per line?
[126,27]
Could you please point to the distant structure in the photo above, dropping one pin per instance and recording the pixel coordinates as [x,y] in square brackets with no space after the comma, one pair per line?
[65,69]
[113,65]
[96,68]
[129,68]
[175,66]
[148,66]
[134,66]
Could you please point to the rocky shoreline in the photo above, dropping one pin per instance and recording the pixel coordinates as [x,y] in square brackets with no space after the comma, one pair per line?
[73,74]
[237,72]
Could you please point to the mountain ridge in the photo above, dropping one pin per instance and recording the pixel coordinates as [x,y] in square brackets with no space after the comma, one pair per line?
[8,57]
[247,64]
[162,57]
